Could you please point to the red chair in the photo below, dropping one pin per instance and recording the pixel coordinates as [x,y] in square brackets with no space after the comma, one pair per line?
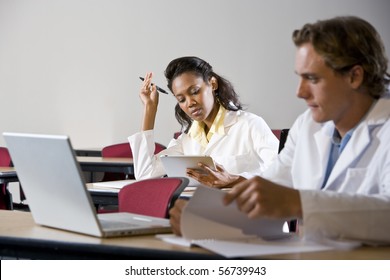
[122,150]
[5,195]
[151,197]
[276,132]
[177,134]
[281,134]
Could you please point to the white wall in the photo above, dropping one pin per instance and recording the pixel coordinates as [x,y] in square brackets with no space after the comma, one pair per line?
[72,66]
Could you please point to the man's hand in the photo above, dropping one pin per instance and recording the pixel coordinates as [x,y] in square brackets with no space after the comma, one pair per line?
[258,197]
[175,215]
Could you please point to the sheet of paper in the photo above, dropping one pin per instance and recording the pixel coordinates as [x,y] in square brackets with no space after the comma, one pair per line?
[224,230]
[247,247]
[174,239]
[113,184]
[206,217]
[259,247]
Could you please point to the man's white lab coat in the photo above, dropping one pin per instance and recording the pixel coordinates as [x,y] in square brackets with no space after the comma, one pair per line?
[355,202]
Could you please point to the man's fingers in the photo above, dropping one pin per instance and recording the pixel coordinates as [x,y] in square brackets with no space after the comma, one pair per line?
[235,192]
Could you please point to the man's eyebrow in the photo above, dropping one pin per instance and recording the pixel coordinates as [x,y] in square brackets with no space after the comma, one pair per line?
[305,74]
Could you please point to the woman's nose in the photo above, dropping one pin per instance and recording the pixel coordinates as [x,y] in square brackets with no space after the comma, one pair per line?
[191,102]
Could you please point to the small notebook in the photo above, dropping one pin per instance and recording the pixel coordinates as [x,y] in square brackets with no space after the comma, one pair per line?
[57,195]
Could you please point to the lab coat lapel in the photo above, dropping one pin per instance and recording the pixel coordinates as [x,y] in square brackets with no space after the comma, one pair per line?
[357,144]
[322,140]
[360,139]
[231,118]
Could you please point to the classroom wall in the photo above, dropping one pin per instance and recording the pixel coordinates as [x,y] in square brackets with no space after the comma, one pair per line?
[72,66]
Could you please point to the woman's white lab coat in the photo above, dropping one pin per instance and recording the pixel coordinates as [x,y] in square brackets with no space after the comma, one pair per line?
[247,147]
[355,202]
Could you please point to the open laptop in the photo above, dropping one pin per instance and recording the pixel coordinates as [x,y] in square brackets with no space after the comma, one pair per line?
[57,194]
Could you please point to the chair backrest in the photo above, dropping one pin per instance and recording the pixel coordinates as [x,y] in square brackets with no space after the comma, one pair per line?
[276,132]
[5,161]
[151,197]
[122,150]
[177,134]
[5,158]
[117,150]
[283,138]
[281,134]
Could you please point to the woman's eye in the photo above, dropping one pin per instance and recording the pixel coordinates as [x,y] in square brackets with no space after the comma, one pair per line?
[194,92]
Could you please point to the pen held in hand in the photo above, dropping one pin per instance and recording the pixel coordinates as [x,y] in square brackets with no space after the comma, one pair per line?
[157,87]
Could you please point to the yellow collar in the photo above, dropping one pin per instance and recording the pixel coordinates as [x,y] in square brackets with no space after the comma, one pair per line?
[197,132]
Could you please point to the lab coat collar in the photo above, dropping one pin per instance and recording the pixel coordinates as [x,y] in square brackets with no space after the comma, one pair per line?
[360,139]
[231,117]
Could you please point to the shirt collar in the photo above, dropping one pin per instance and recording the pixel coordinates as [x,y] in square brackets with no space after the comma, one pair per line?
[197,132]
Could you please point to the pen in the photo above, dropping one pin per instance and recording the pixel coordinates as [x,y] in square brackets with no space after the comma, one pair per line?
[157,87]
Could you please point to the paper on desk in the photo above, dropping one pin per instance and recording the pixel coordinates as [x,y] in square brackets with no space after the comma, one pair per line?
[206,217]
[113,184]
[225,230]
[259,247]
[248,247]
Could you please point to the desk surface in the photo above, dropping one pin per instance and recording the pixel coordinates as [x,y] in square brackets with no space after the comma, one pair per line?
[20,237]
[7,171]
[105,160]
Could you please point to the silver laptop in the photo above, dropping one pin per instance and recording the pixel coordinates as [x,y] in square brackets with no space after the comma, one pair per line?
[57,194]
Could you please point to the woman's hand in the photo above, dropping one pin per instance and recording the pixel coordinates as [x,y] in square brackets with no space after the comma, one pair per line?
[148,92]
[149,96]
[218,178]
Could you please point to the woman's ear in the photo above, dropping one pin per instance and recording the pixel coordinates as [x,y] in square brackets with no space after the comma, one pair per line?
[214,83]
[356,76]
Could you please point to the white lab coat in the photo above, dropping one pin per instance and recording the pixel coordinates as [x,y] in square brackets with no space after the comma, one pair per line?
[355,203]
[247,147]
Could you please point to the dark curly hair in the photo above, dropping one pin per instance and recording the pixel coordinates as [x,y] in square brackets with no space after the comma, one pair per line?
[225,94]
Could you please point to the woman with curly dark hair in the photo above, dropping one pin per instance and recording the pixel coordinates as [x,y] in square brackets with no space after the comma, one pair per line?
[213,123]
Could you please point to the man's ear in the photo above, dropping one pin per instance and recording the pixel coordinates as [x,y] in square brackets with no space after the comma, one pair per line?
[214,83]
[356,76]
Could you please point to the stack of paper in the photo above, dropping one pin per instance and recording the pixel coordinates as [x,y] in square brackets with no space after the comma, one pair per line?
[109,186]
[225,230]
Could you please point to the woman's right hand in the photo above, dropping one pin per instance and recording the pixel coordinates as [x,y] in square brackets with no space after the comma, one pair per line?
[149,96]
[148,92]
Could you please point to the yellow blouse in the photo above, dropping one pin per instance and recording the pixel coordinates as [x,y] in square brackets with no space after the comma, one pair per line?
[197,132]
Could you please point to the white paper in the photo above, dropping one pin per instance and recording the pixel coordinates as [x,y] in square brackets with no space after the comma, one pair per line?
[207,223]
[174,239]
[206,217]
[259,247]
[113,184]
